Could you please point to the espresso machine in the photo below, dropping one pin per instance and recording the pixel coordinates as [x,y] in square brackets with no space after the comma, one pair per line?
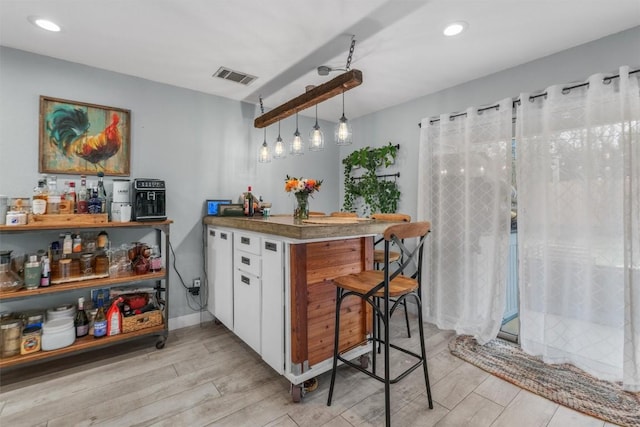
[148,199]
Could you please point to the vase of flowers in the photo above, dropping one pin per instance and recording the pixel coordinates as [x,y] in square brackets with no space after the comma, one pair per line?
[302,188]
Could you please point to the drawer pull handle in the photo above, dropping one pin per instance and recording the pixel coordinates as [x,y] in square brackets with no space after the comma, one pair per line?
[212,232]
[245,240]
[245,260]
[245,280]
[270,246]
[223,236]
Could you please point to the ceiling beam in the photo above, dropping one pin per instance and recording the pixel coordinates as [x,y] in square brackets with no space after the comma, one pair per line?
[318,94]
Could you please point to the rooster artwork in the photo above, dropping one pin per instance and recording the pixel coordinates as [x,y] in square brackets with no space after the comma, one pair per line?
[83,139]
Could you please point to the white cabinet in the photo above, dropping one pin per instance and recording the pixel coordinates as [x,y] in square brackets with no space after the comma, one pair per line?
[220,273]
[273,303]
[246,294]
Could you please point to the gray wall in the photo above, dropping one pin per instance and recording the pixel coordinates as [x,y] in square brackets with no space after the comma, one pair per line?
[399,124]
[205,146]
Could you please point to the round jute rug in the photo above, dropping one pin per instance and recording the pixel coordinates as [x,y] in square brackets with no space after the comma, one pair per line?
[563,383]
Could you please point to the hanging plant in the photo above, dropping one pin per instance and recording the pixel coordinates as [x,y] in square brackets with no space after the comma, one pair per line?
[368,192]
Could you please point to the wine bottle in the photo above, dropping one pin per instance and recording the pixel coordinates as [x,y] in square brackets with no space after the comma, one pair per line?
[248,203]
[81,321]
[102,193]
[100,322]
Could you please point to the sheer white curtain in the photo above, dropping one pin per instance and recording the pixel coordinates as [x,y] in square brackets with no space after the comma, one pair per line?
[578,175]
[464,189]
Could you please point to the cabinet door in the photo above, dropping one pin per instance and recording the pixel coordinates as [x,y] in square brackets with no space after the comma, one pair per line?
[273,304]
[220,272]
[246,304]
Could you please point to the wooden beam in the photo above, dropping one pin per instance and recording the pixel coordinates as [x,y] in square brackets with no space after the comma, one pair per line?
[327,90]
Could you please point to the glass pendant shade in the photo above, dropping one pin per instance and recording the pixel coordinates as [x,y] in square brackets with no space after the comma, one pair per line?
[343,134]
[296,148]
[279,151]
[264,154]
[316,137]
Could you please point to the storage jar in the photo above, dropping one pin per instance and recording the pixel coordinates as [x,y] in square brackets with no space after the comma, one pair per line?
[10,334]
[31,340]
[58,333]
[61,312]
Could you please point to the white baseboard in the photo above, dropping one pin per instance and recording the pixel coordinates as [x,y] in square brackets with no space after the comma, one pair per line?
[189,320]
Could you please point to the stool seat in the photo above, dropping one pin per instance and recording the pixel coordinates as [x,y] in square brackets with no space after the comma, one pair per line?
[365,281]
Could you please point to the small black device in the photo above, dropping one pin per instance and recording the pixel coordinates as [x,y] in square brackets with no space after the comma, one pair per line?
[149,200]
[213,206]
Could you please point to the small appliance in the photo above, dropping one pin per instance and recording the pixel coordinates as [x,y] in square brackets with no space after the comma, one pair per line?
[149,200]
[121,201]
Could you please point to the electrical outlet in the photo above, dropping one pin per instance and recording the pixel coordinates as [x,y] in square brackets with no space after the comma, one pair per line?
[196,283]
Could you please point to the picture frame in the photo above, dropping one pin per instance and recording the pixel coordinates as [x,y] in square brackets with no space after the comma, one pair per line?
[79,138]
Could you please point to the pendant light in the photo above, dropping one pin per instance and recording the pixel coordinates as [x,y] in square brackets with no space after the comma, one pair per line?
[297,145]
[316,137]
[264,154]
[343,134]
[279,151]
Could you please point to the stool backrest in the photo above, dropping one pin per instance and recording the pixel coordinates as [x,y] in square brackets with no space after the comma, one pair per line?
[396,235]
[394,217]
[345,214]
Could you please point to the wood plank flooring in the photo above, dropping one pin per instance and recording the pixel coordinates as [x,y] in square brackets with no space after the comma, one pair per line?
[206,376]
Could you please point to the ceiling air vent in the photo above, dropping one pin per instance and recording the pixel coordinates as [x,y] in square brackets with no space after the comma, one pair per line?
[234,76]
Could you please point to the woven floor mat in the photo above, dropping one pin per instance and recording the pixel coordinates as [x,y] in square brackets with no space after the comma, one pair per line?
[563,383]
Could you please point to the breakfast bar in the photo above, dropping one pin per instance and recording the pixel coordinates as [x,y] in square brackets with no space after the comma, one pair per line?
[270,282]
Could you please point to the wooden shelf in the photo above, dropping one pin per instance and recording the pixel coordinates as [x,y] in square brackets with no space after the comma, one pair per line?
[66,226]
[81,344]
[83,284]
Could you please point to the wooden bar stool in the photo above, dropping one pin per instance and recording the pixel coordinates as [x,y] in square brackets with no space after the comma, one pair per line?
[385,284]
[394,256]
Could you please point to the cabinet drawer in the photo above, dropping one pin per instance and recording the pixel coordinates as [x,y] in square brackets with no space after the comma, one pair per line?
[247,242]
[246,307]
[247,262]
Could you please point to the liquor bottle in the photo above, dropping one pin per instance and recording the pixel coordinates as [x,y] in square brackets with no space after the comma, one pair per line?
[95,204]
[100,322]
[102,193]
[81,321]
[83,200]
[39,198]
[72,197]
[65,200]
[53,196]
[45,275]
[248,203]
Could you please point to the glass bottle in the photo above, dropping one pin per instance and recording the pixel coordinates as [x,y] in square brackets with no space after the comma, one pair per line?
[45,275]
[248,203]
[83,200]
[67,244]
[65,200]
[39,198]
[53,197]
[100,322]
[95,204]
[102,193]
[81,321]
[73,198]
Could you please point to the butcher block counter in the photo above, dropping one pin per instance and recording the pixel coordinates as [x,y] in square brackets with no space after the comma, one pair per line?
[271,283]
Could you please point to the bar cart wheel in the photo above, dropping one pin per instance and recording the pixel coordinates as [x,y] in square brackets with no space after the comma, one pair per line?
[296,393]
[160,344]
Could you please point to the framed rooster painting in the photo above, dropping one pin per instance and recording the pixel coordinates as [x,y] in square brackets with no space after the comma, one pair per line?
[83,139]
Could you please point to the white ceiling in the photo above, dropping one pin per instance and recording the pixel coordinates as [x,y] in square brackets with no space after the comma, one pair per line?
[400,48]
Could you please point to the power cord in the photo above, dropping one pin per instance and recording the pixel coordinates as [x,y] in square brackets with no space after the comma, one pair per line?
[188,290]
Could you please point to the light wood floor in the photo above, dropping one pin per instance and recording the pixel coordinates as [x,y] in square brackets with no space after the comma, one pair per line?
[205,376]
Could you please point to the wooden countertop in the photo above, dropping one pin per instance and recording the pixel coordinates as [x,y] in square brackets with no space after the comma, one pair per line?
[284,225]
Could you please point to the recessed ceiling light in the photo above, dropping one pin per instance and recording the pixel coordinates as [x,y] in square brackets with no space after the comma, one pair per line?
[45,24]
[454,29]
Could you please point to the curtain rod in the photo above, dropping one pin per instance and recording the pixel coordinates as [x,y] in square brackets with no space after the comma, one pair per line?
[516,101]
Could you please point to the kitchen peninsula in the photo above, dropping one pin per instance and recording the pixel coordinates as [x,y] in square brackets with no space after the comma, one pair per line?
[270,282]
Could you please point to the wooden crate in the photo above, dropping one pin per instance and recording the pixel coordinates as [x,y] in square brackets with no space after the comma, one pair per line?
[68,219]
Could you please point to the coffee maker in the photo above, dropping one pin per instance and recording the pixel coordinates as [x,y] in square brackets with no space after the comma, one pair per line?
[149,199]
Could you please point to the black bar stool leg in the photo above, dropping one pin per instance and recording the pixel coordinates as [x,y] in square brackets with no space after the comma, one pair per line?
[387,370]
[406,317]
[335,344]
[424,353]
